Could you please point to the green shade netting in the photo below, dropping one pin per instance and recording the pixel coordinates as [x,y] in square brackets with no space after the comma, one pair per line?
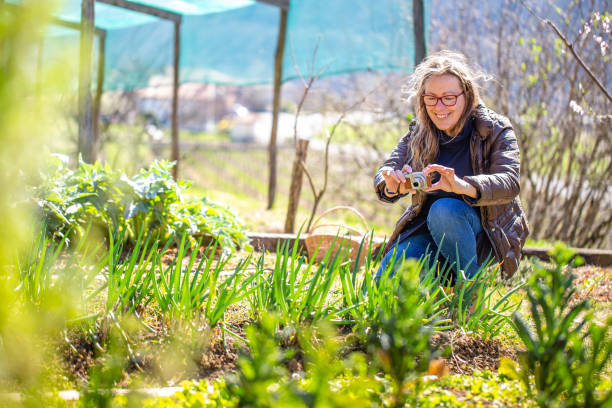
[233,42]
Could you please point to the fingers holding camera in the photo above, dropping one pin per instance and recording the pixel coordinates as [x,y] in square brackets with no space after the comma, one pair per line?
[395,181]
[405,186]
[449,181]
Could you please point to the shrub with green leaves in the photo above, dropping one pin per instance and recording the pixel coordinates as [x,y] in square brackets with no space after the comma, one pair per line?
[566,351]
[332,380]
[151,201]
[400,339]
[261,379]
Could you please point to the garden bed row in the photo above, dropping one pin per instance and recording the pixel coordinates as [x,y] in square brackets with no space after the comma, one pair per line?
[269,242]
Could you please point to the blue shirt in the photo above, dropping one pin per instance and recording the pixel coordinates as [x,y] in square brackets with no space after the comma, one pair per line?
[454,153]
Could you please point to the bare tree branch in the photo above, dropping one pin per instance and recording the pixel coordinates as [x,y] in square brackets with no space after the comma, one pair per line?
[570,46]
[319,195]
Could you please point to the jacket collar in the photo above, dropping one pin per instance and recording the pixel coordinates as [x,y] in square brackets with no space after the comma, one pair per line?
[483,123]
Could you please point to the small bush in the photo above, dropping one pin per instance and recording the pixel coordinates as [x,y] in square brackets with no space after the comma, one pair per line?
[566,351]
[151,201]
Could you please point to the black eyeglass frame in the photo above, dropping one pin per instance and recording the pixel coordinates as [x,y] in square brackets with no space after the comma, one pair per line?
[441,99]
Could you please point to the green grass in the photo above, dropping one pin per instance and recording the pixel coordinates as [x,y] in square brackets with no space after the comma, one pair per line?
[541,243]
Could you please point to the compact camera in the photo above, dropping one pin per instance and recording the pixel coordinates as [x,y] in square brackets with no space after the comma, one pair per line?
[418,180]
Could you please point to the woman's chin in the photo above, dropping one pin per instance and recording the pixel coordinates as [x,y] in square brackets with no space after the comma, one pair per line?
[443,126]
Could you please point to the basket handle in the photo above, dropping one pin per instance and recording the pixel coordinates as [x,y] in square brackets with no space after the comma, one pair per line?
[338,208]
[356,231]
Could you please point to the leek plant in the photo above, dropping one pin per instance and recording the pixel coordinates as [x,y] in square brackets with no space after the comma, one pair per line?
[482,304]
[130,279]
[366,299]
[35,268]
[50,268]
[373,298]
[299,291]
[179,293]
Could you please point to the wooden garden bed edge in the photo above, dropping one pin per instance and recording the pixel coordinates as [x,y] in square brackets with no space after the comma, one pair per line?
[269,241]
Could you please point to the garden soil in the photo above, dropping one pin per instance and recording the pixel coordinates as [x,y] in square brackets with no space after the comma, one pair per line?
[464,354]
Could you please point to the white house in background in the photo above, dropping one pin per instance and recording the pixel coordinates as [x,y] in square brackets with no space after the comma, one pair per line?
[200,105]
[256,127]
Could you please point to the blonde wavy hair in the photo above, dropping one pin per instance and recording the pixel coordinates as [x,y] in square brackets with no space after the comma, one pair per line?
[424,143]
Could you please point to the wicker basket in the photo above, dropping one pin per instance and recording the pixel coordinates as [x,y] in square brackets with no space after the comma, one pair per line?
[319,244]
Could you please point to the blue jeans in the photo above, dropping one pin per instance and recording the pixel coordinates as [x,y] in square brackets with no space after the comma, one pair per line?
[452,229]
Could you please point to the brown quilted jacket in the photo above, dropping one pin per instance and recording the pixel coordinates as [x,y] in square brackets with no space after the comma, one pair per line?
[495,162]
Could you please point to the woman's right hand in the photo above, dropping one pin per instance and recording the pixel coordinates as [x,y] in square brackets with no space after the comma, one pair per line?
[394,178]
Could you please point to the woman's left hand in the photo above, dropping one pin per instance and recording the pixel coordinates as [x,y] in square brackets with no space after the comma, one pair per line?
[449,181]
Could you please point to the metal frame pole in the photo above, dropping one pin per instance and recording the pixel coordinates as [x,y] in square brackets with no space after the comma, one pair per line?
[175,87]
[278,74]
[85,147]
[418,13]
[99,89]
[176,18]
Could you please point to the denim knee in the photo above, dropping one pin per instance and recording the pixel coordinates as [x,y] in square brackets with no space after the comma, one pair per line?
[444,212]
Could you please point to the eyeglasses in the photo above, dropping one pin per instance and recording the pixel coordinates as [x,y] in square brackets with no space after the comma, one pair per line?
[447,100]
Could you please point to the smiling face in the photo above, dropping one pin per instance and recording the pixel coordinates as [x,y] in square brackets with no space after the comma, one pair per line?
[445,117]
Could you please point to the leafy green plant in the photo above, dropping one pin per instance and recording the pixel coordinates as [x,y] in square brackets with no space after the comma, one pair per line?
[372,298]
[565,351]
[71,199]
[480,304]
[331,379]
[400,339]
[195,394]
[476,389]
[260,380]
[151,201]
[592,353]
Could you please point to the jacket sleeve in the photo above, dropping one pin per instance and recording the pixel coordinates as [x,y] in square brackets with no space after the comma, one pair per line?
[502,184]
[395,161]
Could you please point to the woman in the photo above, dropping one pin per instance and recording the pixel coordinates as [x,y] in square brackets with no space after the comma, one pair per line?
[472,209]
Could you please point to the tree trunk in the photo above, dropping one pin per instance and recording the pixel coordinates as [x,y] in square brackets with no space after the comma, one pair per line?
[297,174]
